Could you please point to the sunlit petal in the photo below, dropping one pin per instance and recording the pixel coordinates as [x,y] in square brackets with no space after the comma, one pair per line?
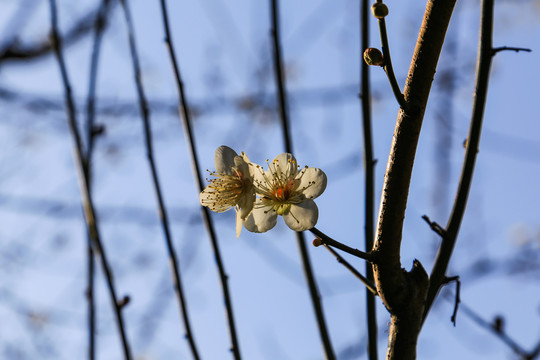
[312,182]
[285,164]
[224,159]
[302,216]
[261,220]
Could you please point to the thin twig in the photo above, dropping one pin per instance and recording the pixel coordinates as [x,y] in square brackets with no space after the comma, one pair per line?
[338,245]
[79,158]
[16,50]
[369,164]
[369,284]
[90,136]
[509,48]
[183,109]
[434,226]
[90,292]
[304,255]
[280,77]
[91,131]
[162,211]
[498,331]
[483,66]
[388,68]
[457,298]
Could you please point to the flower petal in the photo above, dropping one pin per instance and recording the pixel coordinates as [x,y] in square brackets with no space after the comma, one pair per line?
[285,164]
[238,224]
[243,167]
[314,182]
[302,216]
[261,220]
[258,173]
[224,159]
[245,205]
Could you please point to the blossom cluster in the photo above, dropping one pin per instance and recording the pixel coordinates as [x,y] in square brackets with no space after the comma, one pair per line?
[259,195]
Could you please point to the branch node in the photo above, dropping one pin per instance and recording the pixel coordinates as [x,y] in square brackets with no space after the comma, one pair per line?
[498,324]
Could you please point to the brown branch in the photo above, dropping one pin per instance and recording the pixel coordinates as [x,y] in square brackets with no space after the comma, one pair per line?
[485,56]
[403,293]
[79,158]
[327,240]
[496,328]
[15,50]
[161,209]
[369,165]
[457,298]
[435,227]
[90,137]
[388,68]
[509,48]
[369,284]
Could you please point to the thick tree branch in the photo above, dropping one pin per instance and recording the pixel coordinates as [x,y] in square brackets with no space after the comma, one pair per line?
[402,292]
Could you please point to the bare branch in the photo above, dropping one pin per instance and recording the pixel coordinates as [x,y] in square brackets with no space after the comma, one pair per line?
[90,136]
[403,293]
[162,211]
[369,284]
[88,206]
[15,50]
[369,165]
[388,68]
[435,227]
[508,48]
[496,328]
[485,56]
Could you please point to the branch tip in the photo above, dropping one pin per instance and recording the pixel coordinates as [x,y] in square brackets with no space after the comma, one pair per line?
[494,51]
[435,227]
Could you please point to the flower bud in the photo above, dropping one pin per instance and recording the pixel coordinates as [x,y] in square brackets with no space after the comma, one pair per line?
[379,10]
[317,242]
[373,56]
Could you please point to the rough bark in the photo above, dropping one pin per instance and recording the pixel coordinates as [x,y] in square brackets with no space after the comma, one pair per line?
[404,293]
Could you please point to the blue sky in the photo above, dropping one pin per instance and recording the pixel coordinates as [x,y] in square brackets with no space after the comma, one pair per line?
[222,46]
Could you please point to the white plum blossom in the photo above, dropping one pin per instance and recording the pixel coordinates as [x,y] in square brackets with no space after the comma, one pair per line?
[232,186]
[287,191]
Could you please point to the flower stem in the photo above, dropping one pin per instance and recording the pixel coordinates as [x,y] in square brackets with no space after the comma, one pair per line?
[338,245]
